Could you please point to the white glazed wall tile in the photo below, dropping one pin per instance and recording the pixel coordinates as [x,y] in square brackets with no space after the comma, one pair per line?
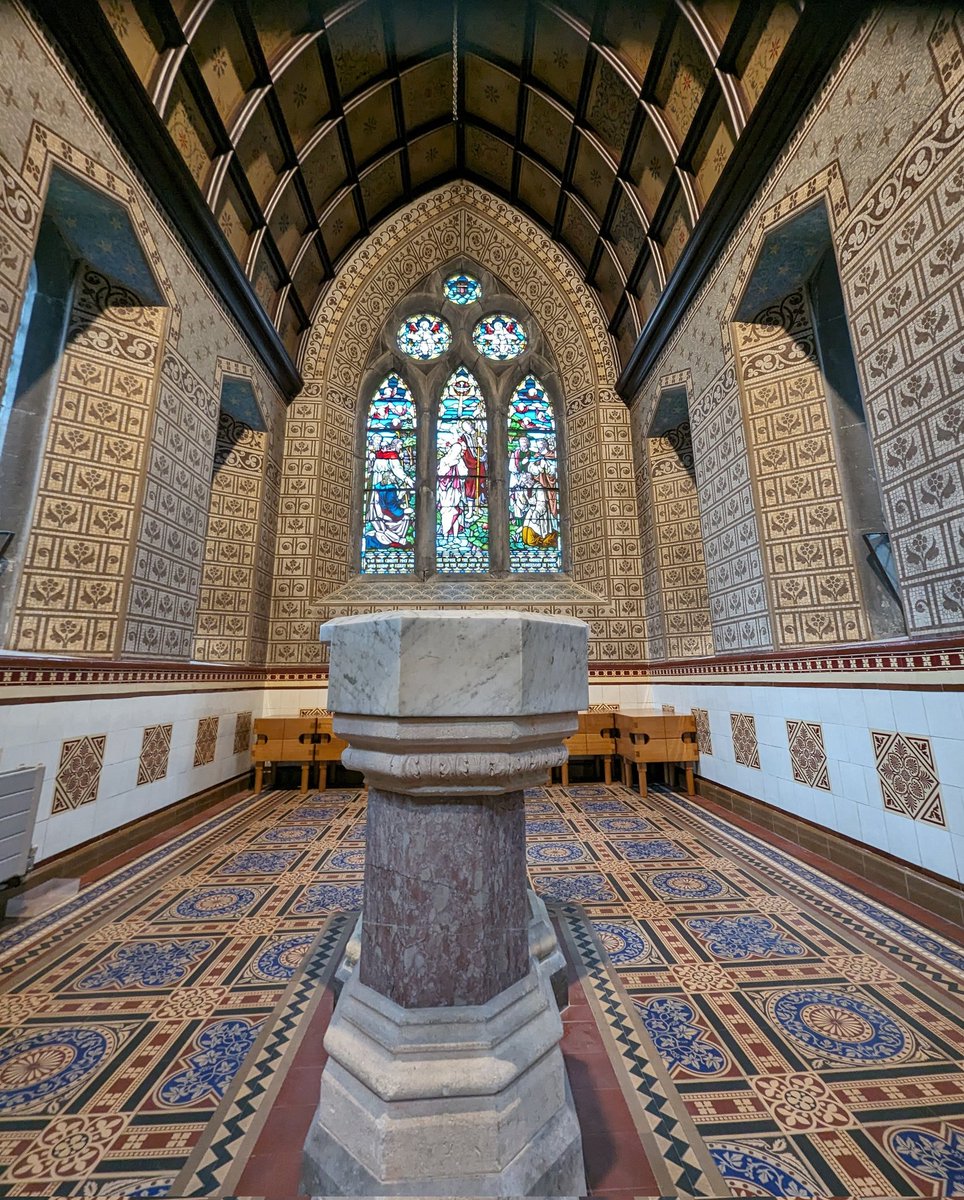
[936,850]
[944,714]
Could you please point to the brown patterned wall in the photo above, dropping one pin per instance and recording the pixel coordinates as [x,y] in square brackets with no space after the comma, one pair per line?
[316,570]
[225,613]
[681,570]
[73,585]
[881,148]
[815,595]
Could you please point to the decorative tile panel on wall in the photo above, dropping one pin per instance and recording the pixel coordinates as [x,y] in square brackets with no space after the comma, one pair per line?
[155,750]
[808,757]
[679,546]
[225,608]
[206,742]
[901,263]
[810,562]
[242,733]
[78,775]
[746,751]
[72,587]
[19,214]
[316,571]
[704,738]
[908,776]
[731,547]
[166,577]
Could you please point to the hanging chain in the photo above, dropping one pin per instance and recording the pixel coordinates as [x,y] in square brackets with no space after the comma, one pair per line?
[455,61]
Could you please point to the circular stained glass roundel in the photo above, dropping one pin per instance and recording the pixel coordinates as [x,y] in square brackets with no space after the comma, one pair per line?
[424,336]
[500,337]
[462,289]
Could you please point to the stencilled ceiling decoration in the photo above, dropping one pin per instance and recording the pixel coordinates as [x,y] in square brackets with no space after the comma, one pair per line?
[304,124]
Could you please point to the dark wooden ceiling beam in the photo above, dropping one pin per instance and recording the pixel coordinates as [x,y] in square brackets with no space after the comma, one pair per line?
[398,108]
[89,45]
[813,47]
[522,108]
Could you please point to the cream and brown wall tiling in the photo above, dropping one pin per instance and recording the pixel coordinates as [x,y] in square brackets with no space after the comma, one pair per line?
[881,151]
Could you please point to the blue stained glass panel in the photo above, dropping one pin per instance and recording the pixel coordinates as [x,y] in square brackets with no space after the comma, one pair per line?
[462,510]
[462,289]
[424,336]
[500,337]
[388,535]
[535,541]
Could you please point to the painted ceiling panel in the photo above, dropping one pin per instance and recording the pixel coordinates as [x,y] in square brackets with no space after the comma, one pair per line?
[314,120]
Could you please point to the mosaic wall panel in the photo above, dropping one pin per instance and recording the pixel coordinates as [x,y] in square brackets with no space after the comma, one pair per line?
[881,147]
[72,587]
[679,545]
[166,577]
[808,551]
[316,569]
[242,733]
[746,749]
[908,776]
[206,742]
[78,775]
[226,605]
[155,751]
[808,758]
[704,737]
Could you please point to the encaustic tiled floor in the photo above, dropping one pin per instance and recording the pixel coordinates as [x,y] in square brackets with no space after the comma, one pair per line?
[772,1031]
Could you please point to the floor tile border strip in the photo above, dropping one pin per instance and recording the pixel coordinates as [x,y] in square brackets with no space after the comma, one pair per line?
[921,940]
[676,1151]
[218,1160]
[165,856]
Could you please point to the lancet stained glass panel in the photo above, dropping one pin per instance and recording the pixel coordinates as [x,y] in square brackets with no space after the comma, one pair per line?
[500,337]
[534,533]
[462,289]
[424,337]
[388,535]
[462,511]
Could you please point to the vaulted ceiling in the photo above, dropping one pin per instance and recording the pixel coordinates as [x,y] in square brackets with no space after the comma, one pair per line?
[303,124]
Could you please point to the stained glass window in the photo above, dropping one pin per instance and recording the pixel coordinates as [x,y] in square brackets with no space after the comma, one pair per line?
[462,510]
[462,289]
[499,337]
[424,336]
[534,534]
[388,536]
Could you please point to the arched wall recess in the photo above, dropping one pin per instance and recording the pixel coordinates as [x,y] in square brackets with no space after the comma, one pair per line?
[317,572]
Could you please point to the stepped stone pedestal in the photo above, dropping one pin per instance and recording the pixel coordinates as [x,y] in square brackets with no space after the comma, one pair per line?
[445,1075]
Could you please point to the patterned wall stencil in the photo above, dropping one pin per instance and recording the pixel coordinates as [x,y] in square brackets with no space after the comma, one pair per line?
[810,562]
[746,751]
[78,776]
[206,741]
[704,737]
[155,749]
[72,587]
[908,776]
[242,733]
[807,754]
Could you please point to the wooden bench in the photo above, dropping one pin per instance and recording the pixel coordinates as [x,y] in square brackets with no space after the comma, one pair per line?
[307,741]
[645,735]
[594,739]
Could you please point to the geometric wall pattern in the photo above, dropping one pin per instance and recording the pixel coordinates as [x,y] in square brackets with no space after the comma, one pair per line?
[704,737]
[316,569]
[206,741]
[908,776]
[808,757]
[810,563]
[242,733]
[73,583]
[78,775]
[681,571]
[155,750]
[746,750]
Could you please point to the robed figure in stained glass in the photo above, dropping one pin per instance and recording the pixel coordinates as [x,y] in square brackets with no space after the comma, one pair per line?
[388,540]
[534,535]
[462,528]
